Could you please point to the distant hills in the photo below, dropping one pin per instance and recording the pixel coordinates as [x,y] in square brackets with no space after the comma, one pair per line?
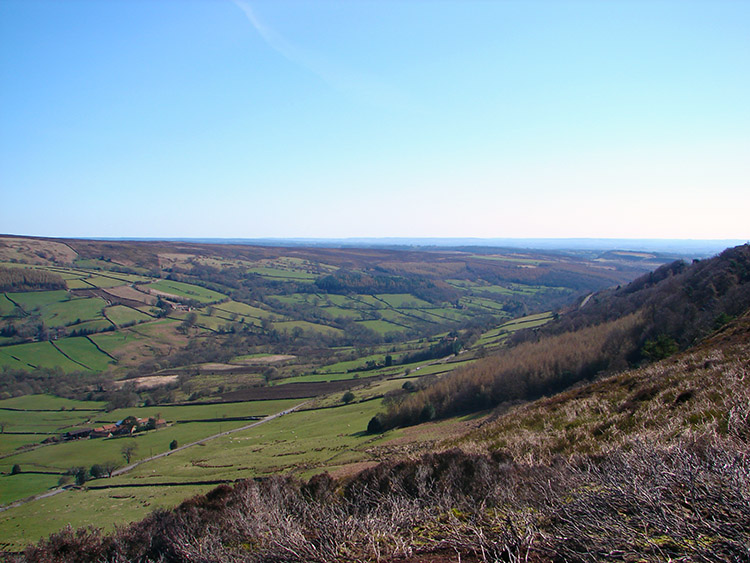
[682,247]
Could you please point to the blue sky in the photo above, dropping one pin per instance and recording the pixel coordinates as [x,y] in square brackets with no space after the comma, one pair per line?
[363,119]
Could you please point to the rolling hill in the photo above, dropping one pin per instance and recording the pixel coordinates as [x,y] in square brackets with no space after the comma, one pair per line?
[476,408]
[648,463]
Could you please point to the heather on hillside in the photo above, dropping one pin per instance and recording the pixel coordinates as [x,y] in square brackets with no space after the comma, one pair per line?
[690,502]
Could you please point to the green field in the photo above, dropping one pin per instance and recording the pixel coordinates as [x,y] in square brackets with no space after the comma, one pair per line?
[77,283]
[186,412]
[6,360]
[46,422]
[104,281]
[382,327]
[121,314]
[82,350]
[278,273]
[403,300]
[481,303]
[340,312]
[305,326]
[245,310]
[105,509]
[396,317]
[22,485]
[152,329]
[31,300]
[6,307]
[293,442]
[71,311]
[37,354]
[310,299]
[209,420]
[189,291]
[11,442]
[114,342]
[56,308]
[48,402]
[498,335]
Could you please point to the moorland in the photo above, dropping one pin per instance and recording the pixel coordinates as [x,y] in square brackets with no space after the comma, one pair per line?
[376,403]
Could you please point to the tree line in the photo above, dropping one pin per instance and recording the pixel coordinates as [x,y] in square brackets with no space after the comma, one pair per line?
[28,279]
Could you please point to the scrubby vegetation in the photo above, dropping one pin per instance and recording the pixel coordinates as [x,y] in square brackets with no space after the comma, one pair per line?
[690,501]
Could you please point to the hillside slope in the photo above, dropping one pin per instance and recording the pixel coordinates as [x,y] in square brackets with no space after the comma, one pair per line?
[649,319]
[649,465]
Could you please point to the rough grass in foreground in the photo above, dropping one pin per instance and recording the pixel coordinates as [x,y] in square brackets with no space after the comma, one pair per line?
[688,502]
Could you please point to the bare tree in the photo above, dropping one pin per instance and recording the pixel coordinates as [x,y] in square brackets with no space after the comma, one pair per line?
[128,450]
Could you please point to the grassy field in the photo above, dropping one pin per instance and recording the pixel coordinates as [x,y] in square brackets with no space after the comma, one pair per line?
[296,442]
[58,308]
[77,283]
[382,326]
[121,314]
[101,508]
[37,354]
[189,291]
[6,306]
[340,312]
[85,352]
[302,443]
[48,402]
[278,273]
[202,412]
[31,300]
[403,300]
[191,423]
[46,422]
[115,343]
[11,442]
[11,362]
[305,326]
[243,310]
[481,304]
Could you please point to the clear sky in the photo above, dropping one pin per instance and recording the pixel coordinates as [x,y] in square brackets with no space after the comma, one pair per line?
[221,118]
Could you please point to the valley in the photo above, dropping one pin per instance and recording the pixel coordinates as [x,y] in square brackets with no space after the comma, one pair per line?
[135,375]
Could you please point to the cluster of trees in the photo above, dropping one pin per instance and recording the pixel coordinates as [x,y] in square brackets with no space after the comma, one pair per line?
[679,301]
[526,371]
[72,385]
[80,475]
[349,281]
[27,279]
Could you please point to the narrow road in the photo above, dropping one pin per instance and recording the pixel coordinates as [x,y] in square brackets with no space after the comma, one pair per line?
[207,439]
[127,468]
